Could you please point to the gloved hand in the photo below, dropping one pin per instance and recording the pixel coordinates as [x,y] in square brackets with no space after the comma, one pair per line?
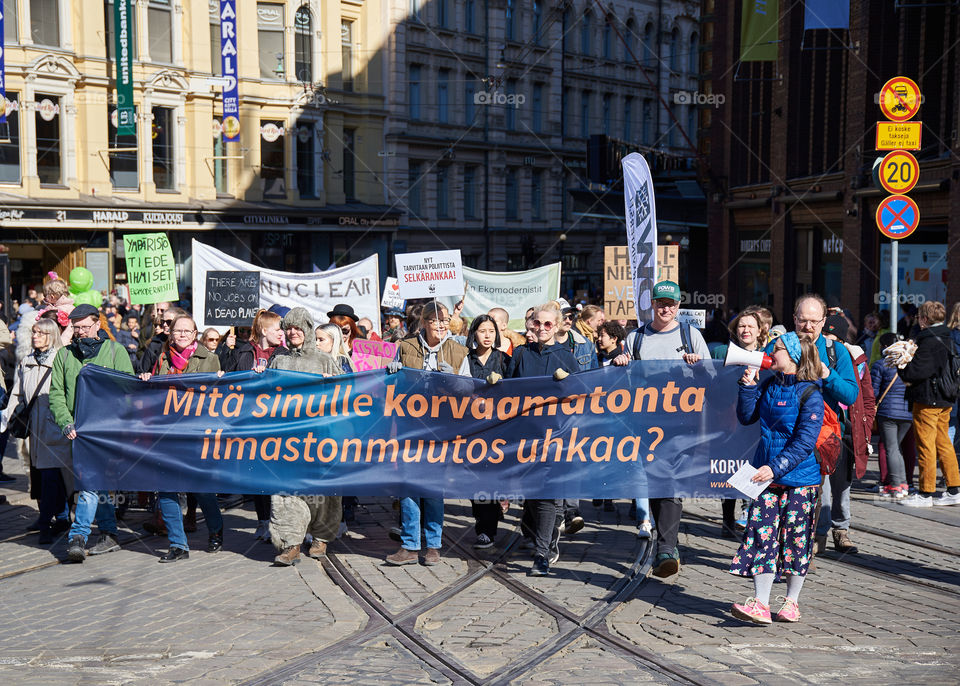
[560,374]
[494,378]
[446,368]
[394,366]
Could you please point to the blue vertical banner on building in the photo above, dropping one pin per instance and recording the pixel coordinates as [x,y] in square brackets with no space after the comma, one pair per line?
[826,14]
[3,69]
[123,31]
[228,68]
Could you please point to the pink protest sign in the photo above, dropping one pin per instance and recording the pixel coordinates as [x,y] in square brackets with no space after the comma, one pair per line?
[369,355]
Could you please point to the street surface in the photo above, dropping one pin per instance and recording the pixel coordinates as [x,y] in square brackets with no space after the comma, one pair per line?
[887,615]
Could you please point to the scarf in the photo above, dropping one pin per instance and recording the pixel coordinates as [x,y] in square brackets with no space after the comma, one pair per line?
[602,356]
[89,347]
[587,332]
[41,355]
[178,360]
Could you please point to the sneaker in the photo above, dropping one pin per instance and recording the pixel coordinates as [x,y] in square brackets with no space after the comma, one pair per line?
[483,541]
[917,500]
[554,547]
[6,478]
[752,610]
[75,549]
[947,499]
[107,543]
[572,525]
[890,492]
[666,564]
[403,557]
[789,611]
[540,566]
[644,529]
[432,557]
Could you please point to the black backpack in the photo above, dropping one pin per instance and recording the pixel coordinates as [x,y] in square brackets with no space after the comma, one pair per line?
[684,339]
[947,382]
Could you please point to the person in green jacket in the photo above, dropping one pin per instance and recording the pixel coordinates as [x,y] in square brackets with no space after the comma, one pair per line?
[88,347]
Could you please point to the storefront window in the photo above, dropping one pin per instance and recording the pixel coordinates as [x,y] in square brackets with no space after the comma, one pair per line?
[10,151]
[123,163]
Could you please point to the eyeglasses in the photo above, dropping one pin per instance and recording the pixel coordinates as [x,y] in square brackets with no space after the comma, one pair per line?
[666,304]
[168,322]
[808,322]
[212,339]
[537,324]
[184,332]
[439,322]
[568,317]
[83,329]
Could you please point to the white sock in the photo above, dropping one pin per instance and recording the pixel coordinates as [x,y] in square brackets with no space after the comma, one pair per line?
[762,585]
[794,584]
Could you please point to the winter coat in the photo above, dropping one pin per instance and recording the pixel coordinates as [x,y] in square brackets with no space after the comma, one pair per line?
[202,361]
[497,362]
[842,387]
[785,447]
[49,448]
[894,405]
[536,360]
[862,412]
[243,357]
[412,352]
[933,346]
[306,358]
[152,353]
[66,368]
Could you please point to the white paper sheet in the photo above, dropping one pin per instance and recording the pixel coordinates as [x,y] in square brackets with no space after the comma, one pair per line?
[741,481]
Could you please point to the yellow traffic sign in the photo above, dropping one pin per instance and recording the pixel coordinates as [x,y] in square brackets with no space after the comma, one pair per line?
[899,172]
[899,136]
[900,99]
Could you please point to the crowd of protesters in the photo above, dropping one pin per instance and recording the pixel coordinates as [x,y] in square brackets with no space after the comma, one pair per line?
[892,381]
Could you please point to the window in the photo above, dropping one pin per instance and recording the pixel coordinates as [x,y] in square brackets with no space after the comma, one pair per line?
[349,164]
[536,194]
[414,189]
[649,48]
[692,123]
[219,166]
[608,39]
[645,136]
[470,192]
[537,21]
[415,9]
[45,24]
[469,16]
[585,29]
[510,110]
[306,177]
[443,13]
[413,91]
[627,118]
[469,100]
[628,41]
[160,31]
[270,40]
[346,52]
[537,113]
[443,96]
[585,114]
[215,60]
[443,191]
[675,50]
[673,135]
[10,151]
[123,165]
[303,45]
[49,166]
[510,19]
[565,112]
[10,26]
[164,176]
[694,56]
[272,167]
[565,28]
[510,191]
[110,39]
[607,104]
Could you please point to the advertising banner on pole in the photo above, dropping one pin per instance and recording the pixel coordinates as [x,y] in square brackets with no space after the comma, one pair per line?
[356,284]
[515,292]
[641,217]
[652,429]
[123,58]
[228,68]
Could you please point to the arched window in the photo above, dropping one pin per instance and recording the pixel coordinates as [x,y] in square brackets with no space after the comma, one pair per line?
[649,47]
[303,45]
[694,67]
[608,39]
[585,28]
[628,41]
[675,50]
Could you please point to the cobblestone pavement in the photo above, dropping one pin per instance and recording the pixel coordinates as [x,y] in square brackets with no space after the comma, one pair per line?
[232,617]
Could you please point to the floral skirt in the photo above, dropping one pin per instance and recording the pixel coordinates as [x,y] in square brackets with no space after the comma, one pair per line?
[779,535]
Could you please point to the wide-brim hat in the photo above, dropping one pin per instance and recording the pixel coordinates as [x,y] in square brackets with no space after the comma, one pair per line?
[341,310]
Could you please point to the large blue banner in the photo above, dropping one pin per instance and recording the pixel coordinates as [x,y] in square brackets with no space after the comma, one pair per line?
[228,69]
[657,429]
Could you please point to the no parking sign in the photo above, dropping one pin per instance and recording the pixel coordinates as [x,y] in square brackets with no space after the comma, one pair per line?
[897,216]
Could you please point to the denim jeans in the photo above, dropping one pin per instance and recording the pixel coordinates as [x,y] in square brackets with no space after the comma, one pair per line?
[541,522]
[410,522]
[835,496]
[169,504]
[93,505]
[667,512]
[643,510]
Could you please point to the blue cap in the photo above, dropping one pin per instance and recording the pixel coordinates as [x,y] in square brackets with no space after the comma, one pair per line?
[279,309]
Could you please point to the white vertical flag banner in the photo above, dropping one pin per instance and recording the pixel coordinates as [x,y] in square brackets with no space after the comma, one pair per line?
[641,216]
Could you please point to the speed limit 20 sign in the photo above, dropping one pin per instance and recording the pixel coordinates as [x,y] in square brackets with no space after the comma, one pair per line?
[899,172]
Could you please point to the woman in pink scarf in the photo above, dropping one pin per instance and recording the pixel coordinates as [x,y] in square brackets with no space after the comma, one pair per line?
[182,353]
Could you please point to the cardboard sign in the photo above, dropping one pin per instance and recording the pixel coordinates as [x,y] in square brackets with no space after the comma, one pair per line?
[232,298]
[430,274]
[618,300]
[391,294]
[151,272]
[697,318]
[369,355]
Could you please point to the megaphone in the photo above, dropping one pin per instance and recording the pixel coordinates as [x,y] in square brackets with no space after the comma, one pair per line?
[737,356]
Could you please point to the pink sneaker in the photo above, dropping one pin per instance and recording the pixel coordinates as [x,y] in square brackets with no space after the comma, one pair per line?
[752,611]
[789,612]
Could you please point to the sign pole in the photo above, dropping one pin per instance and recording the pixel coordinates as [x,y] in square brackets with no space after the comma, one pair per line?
[894,295]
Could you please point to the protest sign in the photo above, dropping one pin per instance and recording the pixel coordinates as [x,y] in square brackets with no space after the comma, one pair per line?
[515,292]
[232,298]
[430,274]
[656,429]
[318,292]
[618,300]
[391,294]
[369,355]
[697,318]
[151,272]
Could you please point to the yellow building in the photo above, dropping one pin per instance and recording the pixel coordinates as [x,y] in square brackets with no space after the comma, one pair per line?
[299,188]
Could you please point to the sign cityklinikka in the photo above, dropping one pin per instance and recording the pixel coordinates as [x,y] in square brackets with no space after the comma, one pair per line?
[228,67]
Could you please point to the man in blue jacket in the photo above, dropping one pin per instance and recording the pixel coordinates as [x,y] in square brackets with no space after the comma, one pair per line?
[840,390]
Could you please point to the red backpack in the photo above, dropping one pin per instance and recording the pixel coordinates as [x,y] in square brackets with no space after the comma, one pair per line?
[827,450]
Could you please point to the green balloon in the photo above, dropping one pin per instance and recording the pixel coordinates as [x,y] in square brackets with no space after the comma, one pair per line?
[81,279]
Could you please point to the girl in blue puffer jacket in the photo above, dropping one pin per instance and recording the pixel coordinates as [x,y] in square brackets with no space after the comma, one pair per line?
[779,534]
